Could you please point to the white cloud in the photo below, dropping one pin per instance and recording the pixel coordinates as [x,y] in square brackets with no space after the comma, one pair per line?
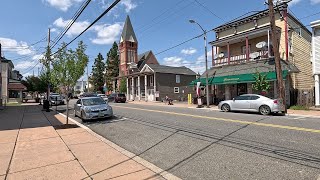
[176,61]
[293,2]
[37,56]
[63,5]
[188,51]
[75,29]
[107,34]
[129,5]
[22,65]
[11,45]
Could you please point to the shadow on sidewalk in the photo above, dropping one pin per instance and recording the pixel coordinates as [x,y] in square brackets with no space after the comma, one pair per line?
[30,116]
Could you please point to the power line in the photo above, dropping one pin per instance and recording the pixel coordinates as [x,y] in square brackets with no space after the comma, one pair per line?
[71,22]
[96,20]
[206,8]
[172,47]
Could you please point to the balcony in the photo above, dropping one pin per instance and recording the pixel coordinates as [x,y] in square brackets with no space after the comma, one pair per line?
[242,47]
[238,59]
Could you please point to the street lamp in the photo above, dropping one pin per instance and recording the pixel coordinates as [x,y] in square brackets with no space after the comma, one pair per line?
[205,49]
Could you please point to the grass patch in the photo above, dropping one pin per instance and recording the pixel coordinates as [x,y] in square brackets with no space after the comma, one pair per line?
[299,107]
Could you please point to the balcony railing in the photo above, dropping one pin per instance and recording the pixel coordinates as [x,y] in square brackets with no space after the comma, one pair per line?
[238,59]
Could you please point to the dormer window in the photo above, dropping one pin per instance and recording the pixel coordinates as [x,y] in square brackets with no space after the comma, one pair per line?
[131,44]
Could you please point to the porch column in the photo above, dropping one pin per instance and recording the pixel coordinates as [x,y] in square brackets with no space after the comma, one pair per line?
[128,89]
[212,56]
[247,48]
[317,89]
[154,86]
[139,89]
[145,87]
[228,47]
[132,86]
[113,86]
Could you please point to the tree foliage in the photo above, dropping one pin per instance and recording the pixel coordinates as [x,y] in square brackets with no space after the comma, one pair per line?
[68,66]
[261,83]
[98,73]
[123,85]
[34,83]
[112,66]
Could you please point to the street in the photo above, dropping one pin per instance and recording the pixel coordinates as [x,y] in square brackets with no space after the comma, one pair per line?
[206,144]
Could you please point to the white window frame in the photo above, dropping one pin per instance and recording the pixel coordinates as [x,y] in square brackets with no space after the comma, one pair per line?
[178,78]
[176,90]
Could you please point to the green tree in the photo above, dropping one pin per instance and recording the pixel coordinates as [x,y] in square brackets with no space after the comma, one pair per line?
[123,85]
[98,73]
[67,67]
[261,83]
[112,66]
[34,83]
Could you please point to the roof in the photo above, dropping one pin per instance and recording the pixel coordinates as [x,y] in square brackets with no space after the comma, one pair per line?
[266,65]
[142,58]
[16,86]
[127,32]
[257,15]
[4,60]
[171,70]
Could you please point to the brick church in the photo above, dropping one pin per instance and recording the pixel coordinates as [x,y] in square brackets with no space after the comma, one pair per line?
[146,79]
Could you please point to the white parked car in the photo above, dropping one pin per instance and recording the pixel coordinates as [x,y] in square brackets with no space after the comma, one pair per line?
[103,96]
[88,108]
[252,103]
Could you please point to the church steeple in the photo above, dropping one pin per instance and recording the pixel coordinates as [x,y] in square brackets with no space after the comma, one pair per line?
[128,48]
[128,32]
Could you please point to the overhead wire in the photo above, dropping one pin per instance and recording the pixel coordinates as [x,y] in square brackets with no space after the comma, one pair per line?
[96,20]
[71,22]
[206,8]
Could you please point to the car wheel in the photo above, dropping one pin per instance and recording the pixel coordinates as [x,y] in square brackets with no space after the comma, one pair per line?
[264,110]
[82,117]
[225,107]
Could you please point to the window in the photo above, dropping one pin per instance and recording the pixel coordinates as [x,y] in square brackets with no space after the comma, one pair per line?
[176,89]
[77,87]
[177,78]
[242,98]
[254,97]
[151,80]
[244,49]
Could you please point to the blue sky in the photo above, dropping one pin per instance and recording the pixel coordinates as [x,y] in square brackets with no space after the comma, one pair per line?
[158,25]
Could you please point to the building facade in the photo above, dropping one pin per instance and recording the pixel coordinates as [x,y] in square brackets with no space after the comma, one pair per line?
[243,47]
[11,87]
[316,59]
[145,78]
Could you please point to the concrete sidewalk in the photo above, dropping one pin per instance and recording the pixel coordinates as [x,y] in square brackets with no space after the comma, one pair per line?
[36,145]
[311,112]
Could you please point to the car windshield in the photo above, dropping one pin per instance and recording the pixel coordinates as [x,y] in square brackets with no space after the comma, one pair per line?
[121,95]
[93,101]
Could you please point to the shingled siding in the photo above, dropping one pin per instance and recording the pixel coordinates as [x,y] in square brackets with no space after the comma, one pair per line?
[167,82]
[300,56]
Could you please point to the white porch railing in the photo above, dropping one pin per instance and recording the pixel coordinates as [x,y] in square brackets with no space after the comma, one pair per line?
[240,58]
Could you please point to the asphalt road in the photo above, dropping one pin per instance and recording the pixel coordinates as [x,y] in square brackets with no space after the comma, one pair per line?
[206,144]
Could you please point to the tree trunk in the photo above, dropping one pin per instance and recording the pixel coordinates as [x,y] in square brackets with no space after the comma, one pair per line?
[67,96]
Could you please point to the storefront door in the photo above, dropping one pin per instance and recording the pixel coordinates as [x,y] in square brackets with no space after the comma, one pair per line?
[242,89]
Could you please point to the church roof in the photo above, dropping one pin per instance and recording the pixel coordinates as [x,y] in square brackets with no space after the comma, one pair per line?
[127,32]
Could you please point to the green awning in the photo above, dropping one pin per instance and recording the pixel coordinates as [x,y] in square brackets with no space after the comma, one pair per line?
[235,79]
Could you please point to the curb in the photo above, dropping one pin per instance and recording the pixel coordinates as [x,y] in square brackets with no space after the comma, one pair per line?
[129,154]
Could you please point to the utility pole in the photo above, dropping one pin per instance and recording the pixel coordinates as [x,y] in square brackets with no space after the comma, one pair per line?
[48,68]
[281,88]
[87,78]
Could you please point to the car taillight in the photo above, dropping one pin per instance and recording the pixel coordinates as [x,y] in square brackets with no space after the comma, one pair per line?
[275,101]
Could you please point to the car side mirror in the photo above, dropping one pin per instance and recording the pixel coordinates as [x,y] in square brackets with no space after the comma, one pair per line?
[233,99]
